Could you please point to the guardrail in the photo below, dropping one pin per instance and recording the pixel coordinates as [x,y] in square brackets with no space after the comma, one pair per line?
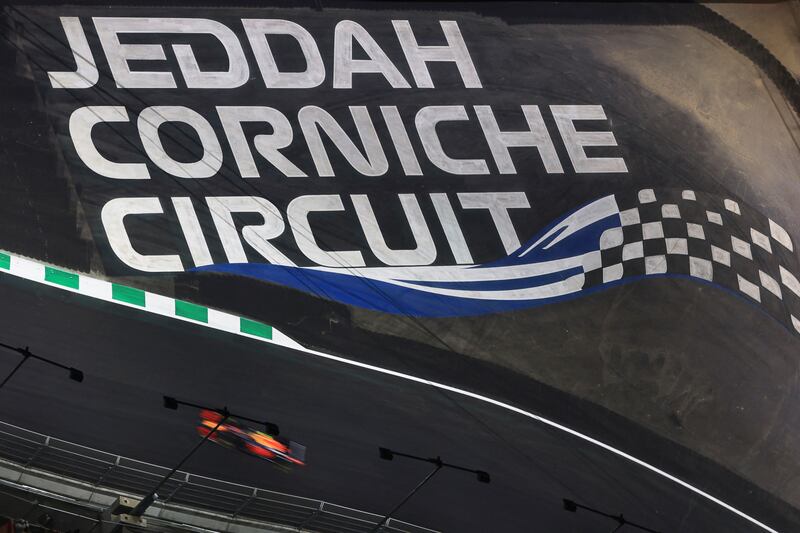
[30,451]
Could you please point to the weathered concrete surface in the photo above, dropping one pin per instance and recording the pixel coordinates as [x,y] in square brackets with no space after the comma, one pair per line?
[724,94]
[774,24]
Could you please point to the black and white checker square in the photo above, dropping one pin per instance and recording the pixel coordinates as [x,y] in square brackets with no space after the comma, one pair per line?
[704,236]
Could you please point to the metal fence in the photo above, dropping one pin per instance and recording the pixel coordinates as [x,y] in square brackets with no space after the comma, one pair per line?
[31,451]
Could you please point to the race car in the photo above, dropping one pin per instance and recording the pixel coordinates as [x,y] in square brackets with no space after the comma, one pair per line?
[237,435]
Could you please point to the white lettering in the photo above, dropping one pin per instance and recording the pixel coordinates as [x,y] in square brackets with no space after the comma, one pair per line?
[313,118]
[402,144]
[452,229]
[498,204]
[258,29]
[86,74]
[500,141]
[575,141]
[426,121]
[151,118]
[257,237]
[344,66]
[81,123]
[297,214]
[425,251]
[113,215]
[192,232]
[267,145]
[118,55]
[419,56]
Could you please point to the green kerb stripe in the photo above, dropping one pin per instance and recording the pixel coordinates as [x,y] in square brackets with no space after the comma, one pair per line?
[255,328]
[60,277]
[127,294]
[191,311]
[5,261]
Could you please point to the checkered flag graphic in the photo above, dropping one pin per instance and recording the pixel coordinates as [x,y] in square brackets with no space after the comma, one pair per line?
[707,237]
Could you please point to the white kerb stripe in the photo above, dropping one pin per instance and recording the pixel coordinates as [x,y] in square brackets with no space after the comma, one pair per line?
[224,321]
[160,305]
[95,288]
[27,269]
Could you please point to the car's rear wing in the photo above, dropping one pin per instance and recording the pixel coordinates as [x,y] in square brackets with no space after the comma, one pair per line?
[297,450]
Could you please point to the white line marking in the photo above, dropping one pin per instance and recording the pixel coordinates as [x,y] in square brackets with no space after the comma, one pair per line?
[34,271]
[160,305]
[223,321]
[550,423]
[95,288]
[28,269]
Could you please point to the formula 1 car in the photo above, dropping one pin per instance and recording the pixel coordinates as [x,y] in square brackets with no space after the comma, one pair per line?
[237,435]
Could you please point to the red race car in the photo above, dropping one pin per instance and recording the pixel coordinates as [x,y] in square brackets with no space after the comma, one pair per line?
[237,435]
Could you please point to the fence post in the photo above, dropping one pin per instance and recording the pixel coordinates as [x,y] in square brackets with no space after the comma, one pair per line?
[181,484]
[105,474]
[38,452]
[312,516]
[245,503]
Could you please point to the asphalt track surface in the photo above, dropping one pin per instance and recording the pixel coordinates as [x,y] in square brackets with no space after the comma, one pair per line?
[340,412]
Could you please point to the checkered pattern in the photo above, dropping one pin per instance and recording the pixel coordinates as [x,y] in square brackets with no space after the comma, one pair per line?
[719,240]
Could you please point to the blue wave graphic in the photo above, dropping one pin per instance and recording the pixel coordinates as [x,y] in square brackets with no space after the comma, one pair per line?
[549,267]
[668,233]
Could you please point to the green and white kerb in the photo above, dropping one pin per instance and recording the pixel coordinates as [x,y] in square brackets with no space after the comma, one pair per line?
[140,299]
